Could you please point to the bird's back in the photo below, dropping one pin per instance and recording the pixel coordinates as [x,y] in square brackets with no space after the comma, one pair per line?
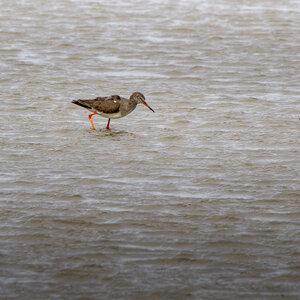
[106,105]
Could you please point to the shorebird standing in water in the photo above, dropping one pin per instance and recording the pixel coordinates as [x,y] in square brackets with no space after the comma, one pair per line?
[112,107]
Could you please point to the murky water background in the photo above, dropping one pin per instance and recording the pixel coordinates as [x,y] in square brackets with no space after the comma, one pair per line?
[197,201]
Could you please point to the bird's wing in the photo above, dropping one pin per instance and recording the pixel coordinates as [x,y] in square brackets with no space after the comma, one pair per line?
[107,105]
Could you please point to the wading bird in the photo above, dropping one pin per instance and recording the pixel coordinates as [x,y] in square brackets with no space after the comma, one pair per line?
[112,107]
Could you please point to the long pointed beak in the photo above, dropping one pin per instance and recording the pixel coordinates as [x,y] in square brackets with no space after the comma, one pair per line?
[148,106]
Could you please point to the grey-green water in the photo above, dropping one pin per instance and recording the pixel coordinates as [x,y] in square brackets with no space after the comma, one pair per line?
[197,201]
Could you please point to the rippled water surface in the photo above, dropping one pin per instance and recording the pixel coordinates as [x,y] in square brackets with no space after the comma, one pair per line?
[197,201]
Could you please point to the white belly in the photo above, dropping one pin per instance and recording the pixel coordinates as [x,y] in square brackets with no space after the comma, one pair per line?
[111,116]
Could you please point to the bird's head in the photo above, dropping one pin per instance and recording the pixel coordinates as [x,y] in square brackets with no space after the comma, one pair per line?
[140,98]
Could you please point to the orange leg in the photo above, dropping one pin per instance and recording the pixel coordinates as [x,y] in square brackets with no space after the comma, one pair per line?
[107,126]
[90,117]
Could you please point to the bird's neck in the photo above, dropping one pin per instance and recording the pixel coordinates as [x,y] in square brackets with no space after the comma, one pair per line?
[132,104]
[129,106]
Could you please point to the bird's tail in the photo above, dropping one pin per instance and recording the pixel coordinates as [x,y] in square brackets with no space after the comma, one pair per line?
[80,103]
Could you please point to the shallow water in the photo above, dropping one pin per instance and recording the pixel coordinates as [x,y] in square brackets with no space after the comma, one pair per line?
[199,200]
